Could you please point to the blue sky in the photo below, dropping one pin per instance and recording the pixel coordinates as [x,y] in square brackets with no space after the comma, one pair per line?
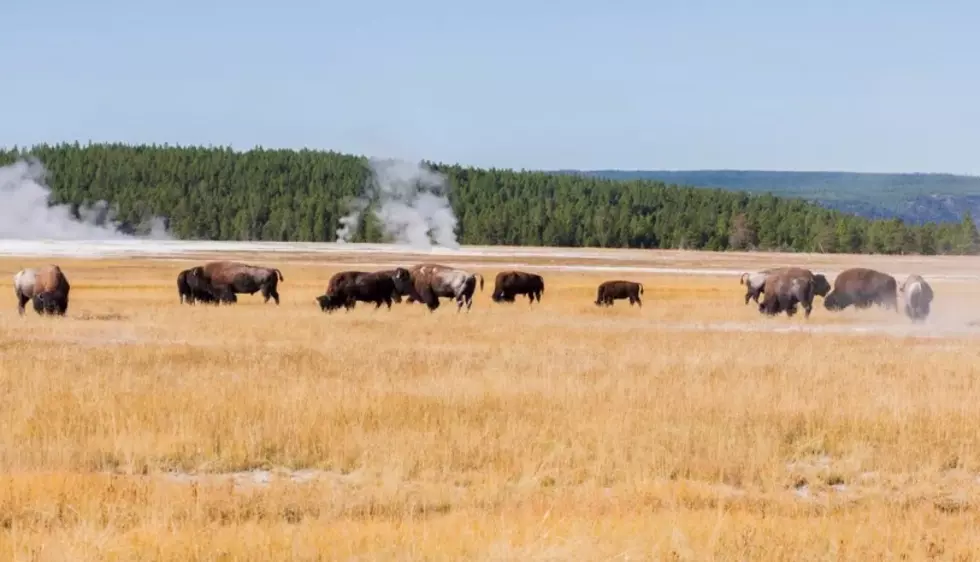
[862,85]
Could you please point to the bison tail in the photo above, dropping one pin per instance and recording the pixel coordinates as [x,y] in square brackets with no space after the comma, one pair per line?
[743,279]
[641,287]
[279,273]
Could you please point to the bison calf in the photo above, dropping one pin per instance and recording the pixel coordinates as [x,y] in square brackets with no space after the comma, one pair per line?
[617,290]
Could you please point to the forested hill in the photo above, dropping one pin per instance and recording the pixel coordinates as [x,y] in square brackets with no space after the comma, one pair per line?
[914,198]
[285,195]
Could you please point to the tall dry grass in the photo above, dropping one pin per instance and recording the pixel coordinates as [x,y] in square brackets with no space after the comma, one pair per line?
[137,429]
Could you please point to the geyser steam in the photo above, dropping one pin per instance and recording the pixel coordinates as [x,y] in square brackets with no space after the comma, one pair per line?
[411,203]
[25,212]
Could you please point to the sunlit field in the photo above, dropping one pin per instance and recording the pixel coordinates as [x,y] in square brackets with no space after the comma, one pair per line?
[692,428]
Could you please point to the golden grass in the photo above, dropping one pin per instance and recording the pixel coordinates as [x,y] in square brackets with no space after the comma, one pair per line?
[137,429]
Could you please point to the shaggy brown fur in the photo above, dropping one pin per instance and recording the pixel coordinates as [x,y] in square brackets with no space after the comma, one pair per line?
[49,290]
[223,278]
[788,287]
[510,283]
[863,288]
[337,282]
[609,291]
[377,287]
[431,281]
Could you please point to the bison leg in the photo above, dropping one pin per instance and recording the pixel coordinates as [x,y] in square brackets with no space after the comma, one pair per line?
[429,298]
[269,291]
[21,303]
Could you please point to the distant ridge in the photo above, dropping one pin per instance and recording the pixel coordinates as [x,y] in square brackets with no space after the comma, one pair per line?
[915,198]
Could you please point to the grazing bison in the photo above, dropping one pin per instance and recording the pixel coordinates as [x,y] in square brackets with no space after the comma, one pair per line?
[337,282]
[510,283]
[609,291]
[755,283]
[917,296]
[191,289]
[223,279]
[47,286]
[430,282]
[790,286]
[863,288]
[377,287]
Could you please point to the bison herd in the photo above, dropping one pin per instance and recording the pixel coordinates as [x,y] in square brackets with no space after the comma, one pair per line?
[219,282]
[786,287]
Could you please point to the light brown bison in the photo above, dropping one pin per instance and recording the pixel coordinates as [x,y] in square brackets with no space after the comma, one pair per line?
[609,291]
[917,296]
[510,283]
[377,287]
[431,281]
[792,286]
[863,288]
[47,286]
[224,278]
[755,283]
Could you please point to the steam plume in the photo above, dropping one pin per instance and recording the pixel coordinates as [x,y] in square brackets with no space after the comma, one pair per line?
[25,212]
[411,203]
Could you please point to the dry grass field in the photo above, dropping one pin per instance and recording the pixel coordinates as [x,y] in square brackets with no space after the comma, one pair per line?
[691,429]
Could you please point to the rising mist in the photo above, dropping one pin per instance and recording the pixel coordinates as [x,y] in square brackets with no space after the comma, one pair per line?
[26,212]
[410,201]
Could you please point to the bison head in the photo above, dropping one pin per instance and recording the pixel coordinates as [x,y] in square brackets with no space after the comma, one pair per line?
[820,285]
[330,302]
[835,301]
[197,280]
[49,303]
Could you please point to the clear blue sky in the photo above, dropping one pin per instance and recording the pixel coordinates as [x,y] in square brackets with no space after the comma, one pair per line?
[868,85]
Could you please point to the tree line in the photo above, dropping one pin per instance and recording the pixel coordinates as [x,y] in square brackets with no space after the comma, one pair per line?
[301,195]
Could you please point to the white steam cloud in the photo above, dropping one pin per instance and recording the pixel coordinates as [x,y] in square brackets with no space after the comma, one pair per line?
[411,203]
[26,213]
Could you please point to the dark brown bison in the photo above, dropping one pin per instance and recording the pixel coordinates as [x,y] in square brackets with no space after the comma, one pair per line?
[431,281]
[510,283]
[792,286]
[917,296]
[609,291]
[223,279]
[376,287]
[403,290]
[47,286]
[338,281]
[190,289]
[862,288]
